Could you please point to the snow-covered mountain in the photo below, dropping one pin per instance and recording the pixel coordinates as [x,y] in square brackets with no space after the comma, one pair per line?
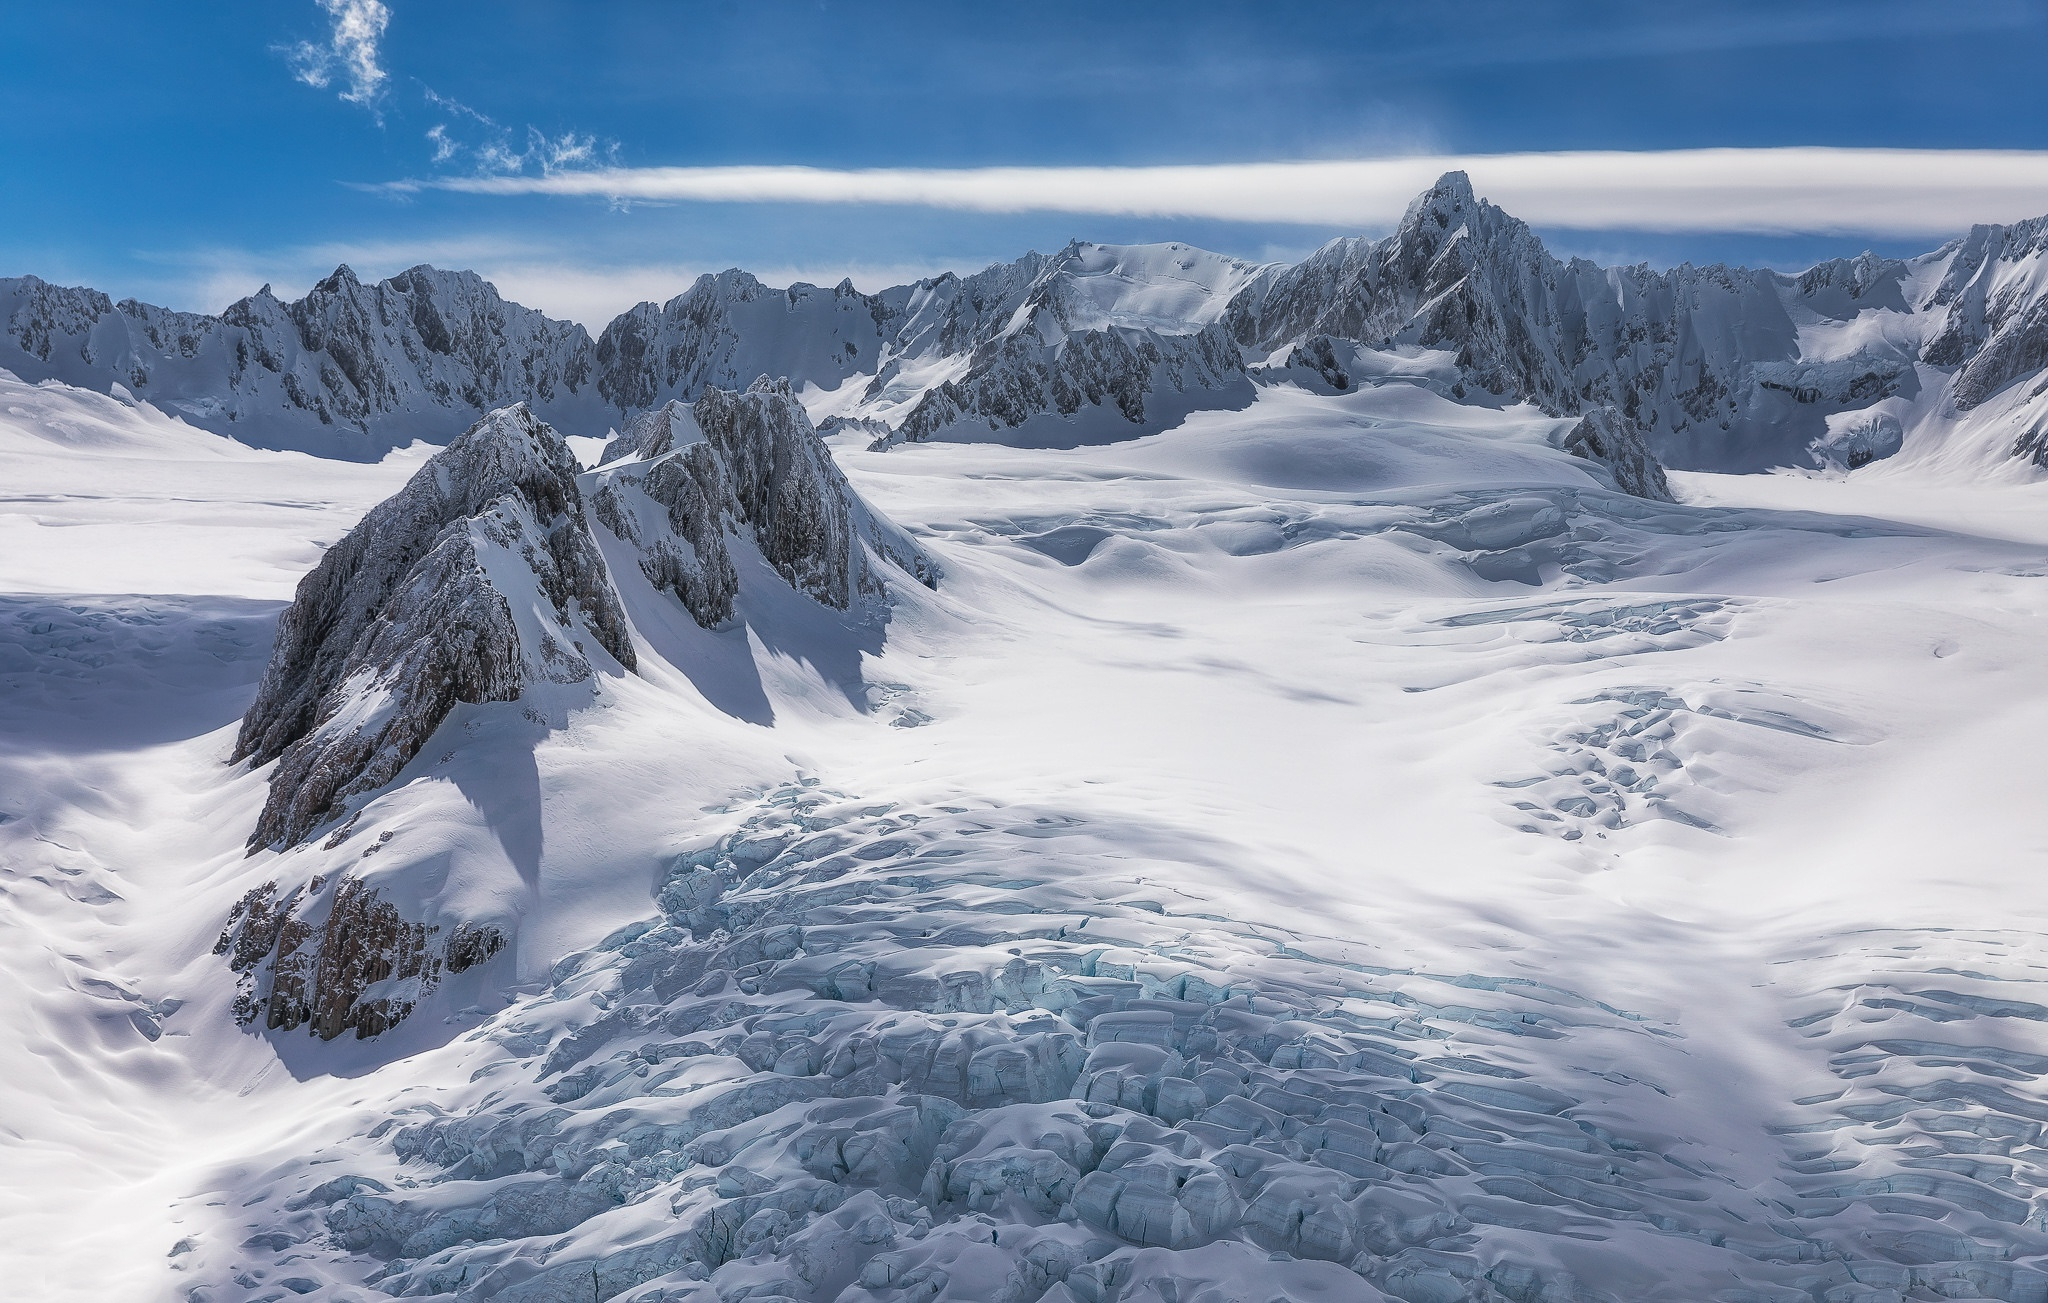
[1719,368]
[351,370]
[729,330]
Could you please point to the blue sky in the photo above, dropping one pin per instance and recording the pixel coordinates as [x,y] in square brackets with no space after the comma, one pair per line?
[185,154]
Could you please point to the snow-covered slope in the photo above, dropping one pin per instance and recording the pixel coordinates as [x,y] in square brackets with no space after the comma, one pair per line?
[1338,848]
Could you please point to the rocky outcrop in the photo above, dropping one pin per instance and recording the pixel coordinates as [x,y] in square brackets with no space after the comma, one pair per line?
[674,510]
[338,957]
[1128,331]
[352,369]
[1994,323]
[1606,436]
[481,578]
[676,480]
[1319,357]
[483,581]
[476,579]
[865,428]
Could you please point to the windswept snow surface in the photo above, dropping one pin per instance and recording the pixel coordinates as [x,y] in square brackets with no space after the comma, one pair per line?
[1335,849]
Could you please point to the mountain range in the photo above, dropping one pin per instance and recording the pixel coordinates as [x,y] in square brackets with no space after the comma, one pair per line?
[1717,368]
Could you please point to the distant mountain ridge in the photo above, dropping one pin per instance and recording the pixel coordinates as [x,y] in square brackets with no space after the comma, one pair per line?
[1717,367]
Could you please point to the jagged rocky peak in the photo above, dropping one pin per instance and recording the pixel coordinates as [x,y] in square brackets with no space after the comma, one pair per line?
[1458,274]
[1712,364]
[1121,336]
[476,580]
[1994,316]
[680,482]
[1129,381]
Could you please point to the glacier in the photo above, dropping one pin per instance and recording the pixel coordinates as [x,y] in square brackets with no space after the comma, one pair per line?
[1376,803]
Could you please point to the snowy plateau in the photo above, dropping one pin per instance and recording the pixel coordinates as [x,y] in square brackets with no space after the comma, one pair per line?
[1433,773]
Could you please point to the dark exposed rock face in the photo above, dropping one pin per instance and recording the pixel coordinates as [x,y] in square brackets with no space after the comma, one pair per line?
[474,580]
[749,461]
[865,427]
[481,577]
[1319,355]
[1606,436]
[674,510]
[311,958]
[1995,325]
[786,487]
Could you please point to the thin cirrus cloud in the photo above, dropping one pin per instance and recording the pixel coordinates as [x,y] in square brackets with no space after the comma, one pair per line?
[1892,192]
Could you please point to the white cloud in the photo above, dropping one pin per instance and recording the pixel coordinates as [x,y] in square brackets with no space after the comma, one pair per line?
[350,54]
[1867,191]
[471,138]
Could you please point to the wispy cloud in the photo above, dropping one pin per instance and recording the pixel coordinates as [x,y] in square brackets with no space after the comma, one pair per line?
[350,53]
[1894,192]
[470,138]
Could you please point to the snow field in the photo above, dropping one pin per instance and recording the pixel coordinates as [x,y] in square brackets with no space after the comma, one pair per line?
[1183,902]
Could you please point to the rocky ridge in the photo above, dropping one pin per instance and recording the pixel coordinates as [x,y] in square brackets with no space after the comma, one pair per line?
[1707,361]
[350,370]
[476,579]
[481,581]
[676,477]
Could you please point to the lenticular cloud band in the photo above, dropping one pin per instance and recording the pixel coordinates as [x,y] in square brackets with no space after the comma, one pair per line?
[1877,191]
